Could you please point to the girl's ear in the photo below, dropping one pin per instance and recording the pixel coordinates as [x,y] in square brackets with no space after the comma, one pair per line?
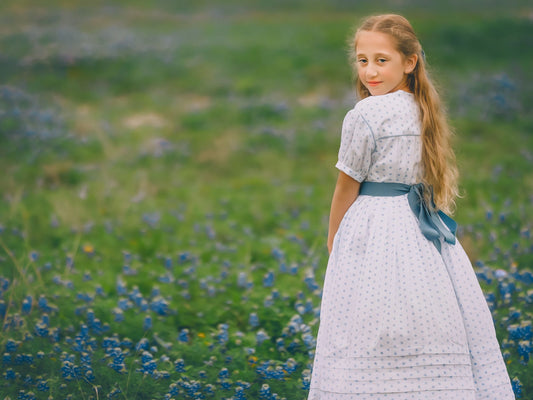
[410,63]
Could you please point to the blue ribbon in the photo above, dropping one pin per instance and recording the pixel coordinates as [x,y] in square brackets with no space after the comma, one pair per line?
[434,224]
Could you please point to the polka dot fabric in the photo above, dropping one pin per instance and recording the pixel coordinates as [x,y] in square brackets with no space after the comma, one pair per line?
[399,320]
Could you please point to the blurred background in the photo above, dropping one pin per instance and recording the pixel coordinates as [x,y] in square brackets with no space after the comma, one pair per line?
[133,133]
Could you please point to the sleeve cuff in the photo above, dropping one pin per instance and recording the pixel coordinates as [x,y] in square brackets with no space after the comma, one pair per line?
[350,172]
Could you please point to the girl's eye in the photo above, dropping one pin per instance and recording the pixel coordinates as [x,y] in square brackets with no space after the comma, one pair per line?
[362,61]
[382,60]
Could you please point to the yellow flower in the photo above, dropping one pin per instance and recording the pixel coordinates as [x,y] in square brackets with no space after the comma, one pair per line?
[88,248]
[201,335]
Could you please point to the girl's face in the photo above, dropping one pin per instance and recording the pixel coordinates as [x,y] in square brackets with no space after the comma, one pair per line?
[381,68]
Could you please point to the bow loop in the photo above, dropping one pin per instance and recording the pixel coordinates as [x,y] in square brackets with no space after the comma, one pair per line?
[433,224]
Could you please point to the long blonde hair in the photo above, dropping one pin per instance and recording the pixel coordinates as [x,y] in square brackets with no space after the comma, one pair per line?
[438,159]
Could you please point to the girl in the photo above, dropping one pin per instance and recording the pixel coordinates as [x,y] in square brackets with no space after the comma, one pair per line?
[402,315]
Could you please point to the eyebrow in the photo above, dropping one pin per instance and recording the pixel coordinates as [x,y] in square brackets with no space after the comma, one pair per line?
[377,55]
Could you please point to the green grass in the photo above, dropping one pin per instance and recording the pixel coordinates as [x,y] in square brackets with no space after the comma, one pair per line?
[151,130]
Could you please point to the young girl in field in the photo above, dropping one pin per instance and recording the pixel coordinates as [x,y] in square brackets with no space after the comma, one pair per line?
[402,316]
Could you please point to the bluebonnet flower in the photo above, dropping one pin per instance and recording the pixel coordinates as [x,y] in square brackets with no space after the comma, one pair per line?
[224,373]
[99,291]
[268,279]
[121,287]
[143,344]
[34,255]
[117,363]
[89,375]
[264,392]
[128,271]
[310,282]
[183,257]
[10,374]
[299,307]
[278,254]
[70,371]
[517,387]
[42,385]
[148,363]
[294,346]
[160,306]
[41,329]
[166,278]
[261,336]
[253,320]
[226,384]
[69,261]
[3,308]
[521,331]
[118,314]
[222,334]
[114,393]
[12,345]
[84,297]
[4,284]
[147,324]
[26,304]
[179,365]
[268,302]
[45,306]
[210,389]
[525,348]
[526,277]
[184,335]
[239,394]
[306,379]
[173,389]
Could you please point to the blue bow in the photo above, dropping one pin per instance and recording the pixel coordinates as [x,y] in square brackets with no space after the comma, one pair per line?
[432,227]
[434,224]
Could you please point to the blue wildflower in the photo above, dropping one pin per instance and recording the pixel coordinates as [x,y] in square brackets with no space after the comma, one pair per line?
[143,344]
[253,320]
[210,389]
[264,392]
[160,306]
[27,304]
[11,345]
[268,279]
[10,374]
[147,324]
[179,365]
[261,336]
[223,374]
[517,387]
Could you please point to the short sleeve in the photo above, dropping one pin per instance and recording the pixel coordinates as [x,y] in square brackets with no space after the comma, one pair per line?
[357,144]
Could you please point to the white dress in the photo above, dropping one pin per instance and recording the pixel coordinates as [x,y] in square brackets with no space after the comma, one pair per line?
[399,320]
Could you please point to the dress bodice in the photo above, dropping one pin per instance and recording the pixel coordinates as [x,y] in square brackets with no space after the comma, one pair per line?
[381,140]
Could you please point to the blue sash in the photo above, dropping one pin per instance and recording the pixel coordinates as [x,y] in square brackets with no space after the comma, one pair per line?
[434,224]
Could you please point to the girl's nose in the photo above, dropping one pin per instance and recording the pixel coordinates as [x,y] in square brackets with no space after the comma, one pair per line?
[370,71]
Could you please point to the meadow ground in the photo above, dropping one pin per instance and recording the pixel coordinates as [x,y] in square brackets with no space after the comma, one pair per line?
[166,177]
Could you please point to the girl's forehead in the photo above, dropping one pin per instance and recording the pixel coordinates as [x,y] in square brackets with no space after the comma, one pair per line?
[374,41]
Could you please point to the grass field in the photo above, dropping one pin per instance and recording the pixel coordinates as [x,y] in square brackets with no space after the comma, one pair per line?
[166,177]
